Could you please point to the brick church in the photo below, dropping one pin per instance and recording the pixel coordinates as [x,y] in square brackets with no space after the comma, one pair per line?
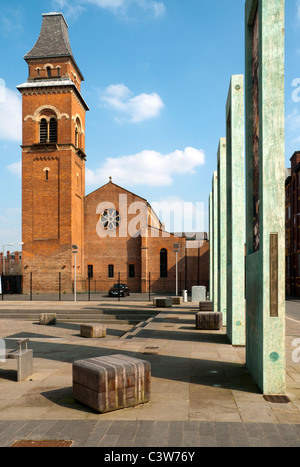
[116,233]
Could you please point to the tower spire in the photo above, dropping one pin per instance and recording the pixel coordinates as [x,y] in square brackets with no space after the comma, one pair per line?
[53,41]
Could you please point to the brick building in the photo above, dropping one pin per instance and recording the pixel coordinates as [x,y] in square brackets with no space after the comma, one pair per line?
[12,263]
[115,231]
[292,222]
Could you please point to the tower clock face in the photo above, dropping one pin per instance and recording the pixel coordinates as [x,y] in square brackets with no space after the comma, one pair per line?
[110,219]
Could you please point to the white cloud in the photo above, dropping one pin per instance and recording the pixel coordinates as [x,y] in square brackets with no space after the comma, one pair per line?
[125,8]
[10,115]
[298,9]
[16,168]
[131,109]
[147,168]
[70,9]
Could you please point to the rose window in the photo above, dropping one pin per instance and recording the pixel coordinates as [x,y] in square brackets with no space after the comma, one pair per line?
[110,219]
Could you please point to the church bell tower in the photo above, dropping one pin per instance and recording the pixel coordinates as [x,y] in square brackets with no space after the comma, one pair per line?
[53,162]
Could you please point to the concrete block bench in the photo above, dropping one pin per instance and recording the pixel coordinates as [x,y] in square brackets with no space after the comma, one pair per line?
[163,302]
[110,383]
[95,331]
[48,318]
[206,306]
[24,359]
[177,300]
[209,321]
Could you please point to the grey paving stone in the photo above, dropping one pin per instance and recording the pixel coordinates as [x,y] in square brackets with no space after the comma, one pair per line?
[124,443]
[109,441]
[57,430]
[96,435]
[191,426]
[207,442]
[79,431]
[207,429]
[288,432]
[238,432]
[277,442]
[129,431]
[23,429]
[9,434]
[160,434]
[140,442]
[40,432]
[259,443]
[116,427]
[254,430]
[175,441]
[191,438]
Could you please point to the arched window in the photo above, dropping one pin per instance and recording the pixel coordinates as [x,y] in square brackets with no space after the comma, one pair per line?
[48,130]
[53,130]
[48,72]
[76,137]
[78,132]
[163,263]
[43,131]
[46,172]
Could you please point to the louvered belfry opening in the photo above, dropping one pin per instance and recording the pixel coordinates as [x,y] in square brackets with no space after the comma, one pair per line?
[48,130]
[53,131]
[43,131]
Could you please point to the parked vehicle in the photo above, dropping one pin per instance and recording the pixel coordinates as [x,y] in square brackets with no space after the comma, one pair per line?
[119,290]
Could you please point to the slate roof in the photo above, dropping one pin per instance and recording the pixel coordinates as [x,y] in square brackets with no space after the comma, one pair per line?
[53,40]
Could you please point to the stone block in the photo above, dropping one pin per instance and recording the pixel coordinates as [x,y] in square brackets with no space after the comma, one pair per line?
[209,321]
[95,331]
[112,382]
[177,300]
[206,306]
[48,318]
[163,302]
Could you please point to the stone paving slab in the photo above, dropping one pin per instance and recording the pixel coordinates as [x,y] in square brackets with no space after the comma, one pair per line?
[104,433]
[202,394]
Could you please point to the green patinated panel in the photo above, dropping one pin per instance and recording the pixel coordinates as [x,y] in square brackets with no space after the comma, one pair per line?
[222,229]
[215,235]
[235,162]
[210,202]
[265,213]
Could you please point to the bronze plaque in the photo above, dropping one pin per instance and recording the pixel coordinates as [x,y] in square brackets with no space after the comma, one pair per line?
[274,275]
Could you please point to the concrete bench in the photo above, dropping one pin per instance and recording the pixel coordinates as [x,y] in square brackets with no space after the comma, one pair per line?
[111,383]
[206,306]
[163,302]
[177,300]
[209,321]
[48,318]
[24,359]
[91,331]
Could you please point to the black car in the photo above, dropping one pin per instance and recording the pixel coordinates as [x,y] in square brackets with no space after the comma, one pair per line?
[119,290]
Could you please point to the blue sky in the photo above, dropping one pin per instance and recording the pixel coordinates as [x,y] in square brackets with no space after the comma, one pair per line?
[157,74]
